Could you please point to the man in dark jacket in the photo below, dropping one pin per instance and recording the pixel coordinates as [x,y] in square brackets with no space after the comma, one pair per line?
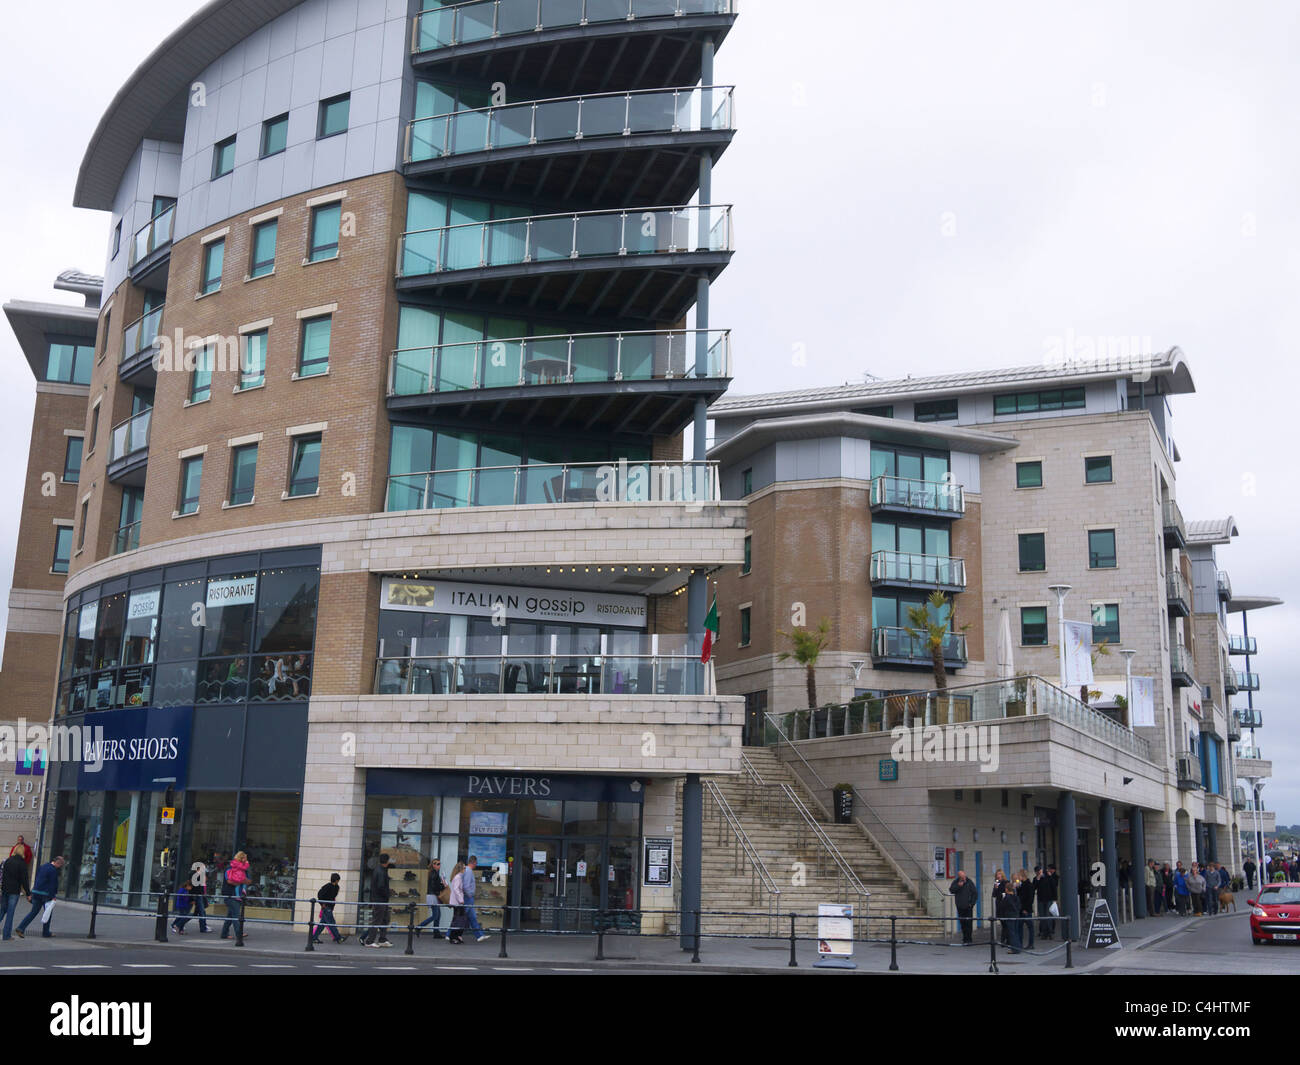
[44,891]
[965,895]
[1026,891]
[13,883]
[1045,893]
[1008,910]
[327,896]
[1248,867]
[380,891]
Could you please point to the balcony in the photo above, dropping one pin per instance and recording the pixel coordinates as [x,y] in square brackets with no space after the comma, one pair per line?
[138,340]
[1257,819]
[1249,717]
[1180,665]
[1238,797]
[654,665]
[642,264]
[899,570]
[1247,682]
[656,41]
[643,382]
[1250,762]
[1178,594]
[128,449]
[1230,682]
[1223,585]
[1234,726]
[602,150]
[617,481]
[127,538]
[1188,772]
[903,495]
[893,646]
[1174,527]
[1241,645]
[150,248]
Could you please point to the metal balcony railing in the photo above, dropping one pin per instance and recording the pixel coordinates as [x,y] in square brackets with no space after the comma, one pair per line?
[127,538]
[931,571]
[1223,584]
[1188,772]
[1249,717]
[1173,522]
[1180,665]
[579,358]
[1238,797]
[153,235]
[1242,645]
[1247,682]
[617,481]
[560,237]
[1177,592]
[1234,727]
[942,497]
[140,335]
[130,436]
[896,643]
[1247,752]
[1230,682]
[695,109]
[485,20]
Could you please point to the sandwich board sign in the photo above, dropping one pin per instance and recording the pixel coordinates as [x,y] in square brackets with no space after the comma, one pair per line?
[1101,928]
[834,936]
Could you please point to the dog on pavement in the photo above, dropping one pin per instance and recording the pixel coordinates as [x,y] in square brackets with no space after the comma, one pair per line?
[1227,900]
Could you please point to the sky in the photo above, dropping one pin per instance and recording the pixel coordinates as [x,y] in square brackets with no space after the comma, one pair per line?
[920,188]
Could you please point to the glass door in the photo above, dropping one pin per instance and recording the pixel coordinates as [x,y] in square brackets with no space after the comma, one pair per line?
[583,872]
[540,885]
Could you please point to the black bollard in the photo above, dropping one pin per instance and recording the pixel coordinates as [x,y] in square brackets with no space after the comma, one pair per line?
[1069,944]
[239,925]
[94,912]
[600,935]
[160,927]
[311,929]
[793,964]
[993,946]
[696,956]
[893,943]
[410,929]
[505,921]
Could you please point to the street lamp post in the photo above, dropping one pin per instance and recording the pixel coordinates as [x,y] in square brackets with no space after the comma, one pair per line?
[1061,590]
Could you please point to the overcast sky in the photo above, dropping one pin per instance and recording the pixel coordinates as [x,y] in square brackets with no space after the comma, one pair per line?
[920,188]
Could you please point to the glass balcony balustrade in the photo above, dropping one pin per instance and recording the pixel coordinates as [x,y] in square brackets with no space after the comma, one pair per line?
[140,335]
[563,237]
[130,436]
[127,538]
[695,109]
[1178,593]
[617,481]
[927,571]
[941,497]
[1242,645]
[622,664]
[156,233]
[485,20]
[1223,585]
[1247,682]
[579,358]
[897,645]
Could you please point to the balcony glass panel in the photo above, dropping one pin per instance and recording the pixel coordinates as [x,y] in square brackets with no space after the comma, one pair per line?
[918,568]
[140,335]
[917,494]
[130,436]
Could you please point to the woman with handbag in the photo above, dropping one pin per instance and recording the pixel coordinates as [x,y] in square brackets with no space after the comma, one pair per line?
[235,887]
[438,893]
[456,896]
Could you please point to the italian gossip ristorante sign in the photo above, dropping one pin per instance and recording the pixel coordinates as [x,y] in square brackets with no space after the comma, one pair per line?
[515,603]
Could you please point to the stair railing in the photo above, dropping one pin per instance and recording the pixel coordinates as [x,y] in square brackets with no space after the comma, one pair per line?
[854,889]
[760,880]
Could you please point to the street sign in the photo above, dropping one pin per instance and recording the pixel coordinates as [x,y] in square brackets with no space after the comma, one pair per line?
[169,815]
[834,936]
[1101,928]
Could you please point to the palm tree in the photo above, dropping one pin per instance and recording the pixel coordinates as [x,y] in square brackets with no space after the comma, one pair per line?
[929,624]
[807,646]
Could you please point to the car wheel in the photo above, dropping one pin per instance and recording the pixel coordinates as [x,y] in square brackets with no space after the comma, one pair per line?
[1256,940]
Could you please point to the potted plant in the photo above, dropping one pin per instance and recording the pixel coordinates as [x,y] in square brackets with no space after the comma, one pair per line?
[1121,704]
[1016,706]
[929,624]
[843,803]
[806,647]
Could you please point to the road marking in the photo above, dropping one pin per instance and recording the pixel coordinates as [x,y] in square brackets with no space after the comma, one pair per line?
[395,968]
[573,970]
[449,968]
[81,966]
[145,965]
[256,965]
[504,969]
[16,968]
[333,966]
[210,965]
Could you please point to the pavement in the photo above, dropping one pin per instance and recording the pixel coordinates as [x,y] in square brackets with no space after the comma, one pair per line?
[269,947]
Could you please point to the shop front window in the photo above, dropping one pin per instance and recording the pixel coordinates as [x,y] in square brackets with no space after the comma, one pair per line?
[271,840]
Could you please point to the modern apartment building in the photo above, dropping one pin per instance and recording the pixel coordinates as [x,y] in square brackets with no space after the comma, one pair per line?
[383,538]
[1024,495]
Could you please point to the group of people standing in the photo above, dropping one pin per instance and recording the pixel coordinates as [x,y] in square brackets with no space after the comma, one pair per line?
[1014,904]
[1186,892]
[1278,869]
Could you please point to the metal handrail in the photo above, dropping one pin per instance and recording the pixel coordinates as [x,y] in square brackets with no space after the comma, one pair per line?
[919,494]
[500,348]
[918,568]
[954,645]
[852,885]
[532,22]
[759,876]
[450,118]
[1176,587]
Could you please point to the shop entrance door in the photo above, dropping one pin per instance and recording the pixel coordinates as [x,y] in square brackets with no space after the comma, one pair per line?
[584,874]
[540,879]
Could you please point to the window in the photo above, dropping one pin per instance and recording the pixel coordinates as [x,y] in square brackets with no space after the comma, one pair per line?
[1097,470]
[1036,402]
[94,427]
[108,325]
[324,232]
[72,460]
[214,257]
[885,411]
[223,158]
[304,470]
[62,548]
[749,555]
[117,239]
[252,363]
[191,474]
[1101,549]
[913,464]
[314,353]
[936,410]
[69,362]
[85,517]
[201,379]
[747,482]
[1029,475]
[1033,552]
[243,471]
[1105,623]
[1033,626]
[744,626]
[333,117]
[275,135]
[263,248]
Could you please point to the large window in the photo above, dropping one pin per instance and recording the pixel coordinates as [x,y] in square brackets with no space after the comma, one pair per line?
[1033,626]
[69,362]
[936,410]
[1101,549]
[243,472]
[314,353]
[744,626]
[913,464]
[1033,552]
[747,482]
[191,476]
[747,565]
[72,460]
[62,548]
[1029,474]
[263,261]
[223,158]
[333,117]
[304,470]
[275,135]
[214,257]
[1097,469]
[201,379]
[1036,402]
[252,366]
[1105,623]
[324,232]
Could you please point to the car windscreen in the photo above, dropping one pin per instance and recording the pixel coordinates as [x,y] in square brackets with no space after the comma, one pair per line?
[1275,896]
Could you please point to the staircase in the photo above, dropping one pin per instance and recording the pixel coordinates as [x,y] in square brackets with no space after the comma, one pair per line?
[783,840]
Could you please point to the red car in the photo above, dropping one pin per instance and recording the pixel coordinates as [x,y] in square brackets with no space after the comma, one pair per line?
[1275,914]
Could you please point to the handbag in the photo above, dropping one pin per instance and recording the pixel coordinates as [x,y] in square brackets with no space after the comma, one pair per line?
[444,896]
[1054,909]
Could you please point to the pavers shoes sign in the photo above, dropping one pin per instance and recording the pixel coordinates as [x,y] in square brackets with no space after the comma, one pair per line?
[139,749]
[517,603]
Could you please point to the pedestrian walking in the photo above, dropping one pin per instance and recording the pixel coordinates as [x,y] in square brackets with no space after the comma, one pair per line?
[1008,911]
[184,902]
[1182,894]
[1196,890]
[45,889]
[380,914]
[1248,867]
[433,898]
[456,896]
[965,895]
[469,885]
[1149,881]
[14,883]
[327,896]
[234,888]
[1025,891]
[21,848]
[199,894]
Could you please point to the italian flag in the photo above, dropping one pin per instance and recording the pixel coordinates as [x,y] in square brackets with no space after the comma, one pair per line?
[710,630]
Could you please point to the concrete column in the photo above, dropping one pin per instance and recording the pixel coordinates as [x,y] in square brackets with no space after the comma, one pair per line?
[1106,812]
[1211,842]
[1198,841]
[1138,840]
[692,855]
[1067,828]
